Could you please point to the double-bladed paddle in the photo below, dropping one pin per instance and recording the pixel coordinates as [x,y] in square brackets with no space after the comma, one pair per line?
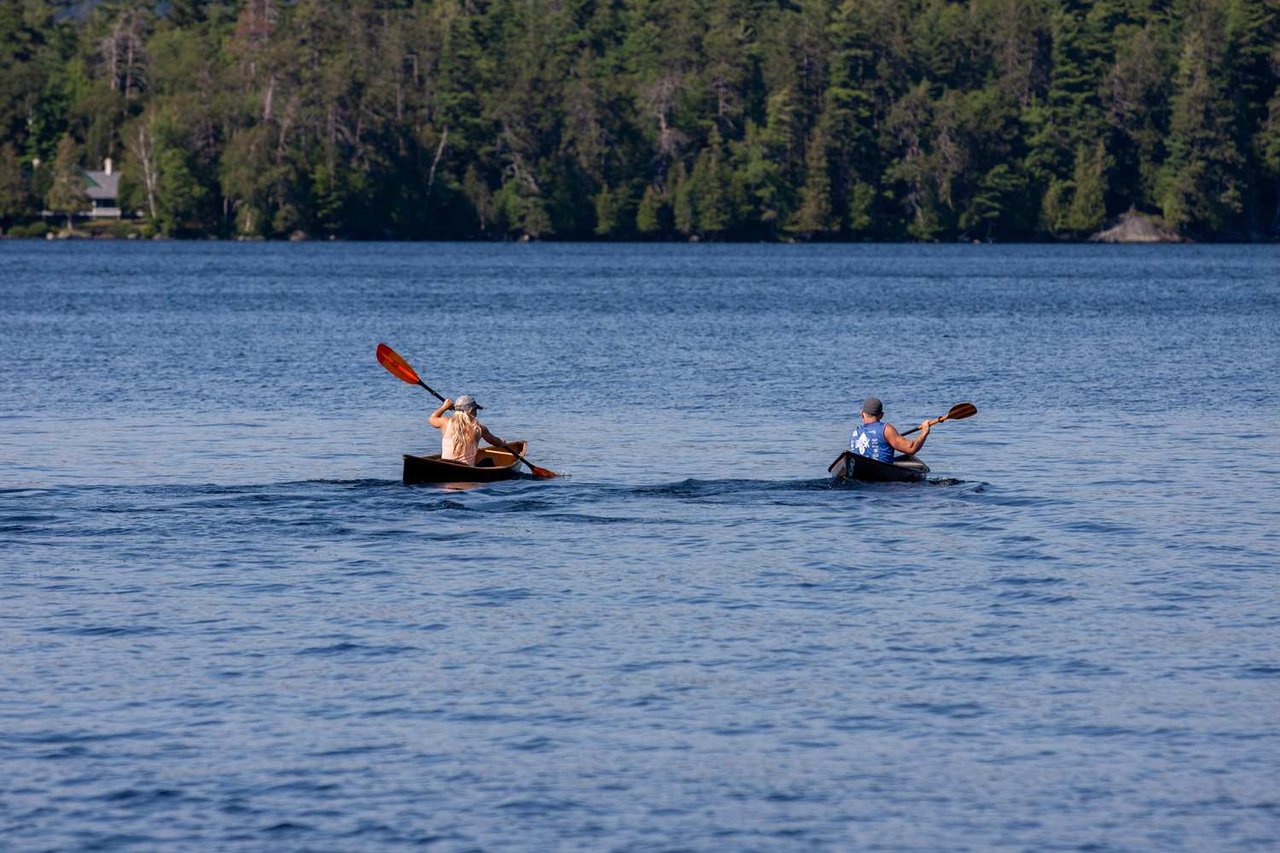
[399,368]
[958,412]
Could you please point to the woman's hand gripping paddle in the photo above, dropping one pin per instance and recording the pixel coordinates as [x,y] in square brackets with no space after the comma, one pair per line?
[958,412]
[399,368]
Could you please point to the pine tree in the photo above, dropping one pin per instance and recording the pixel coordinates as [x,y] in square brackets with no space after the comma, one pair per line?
[917,176]
[610,208]
[814,216]
[13,192]
[1253,56]
[1137,92]
[67,194]
[653,215]
[851,112]
[1088,208]
[1072,113]
[709,186]
[683,208]
[478,194]
[1201,189]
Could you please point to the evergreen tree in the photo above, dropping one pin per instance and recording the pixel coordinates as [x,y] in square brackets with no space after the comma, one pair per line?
[477,193]
[67,194]
[708,188]
[1137,100]
[1269,152]
[814,217]
[1072,113]
[611,207]
[684,213]
[1088,208]
[653,216]
[1201,186]
[917,181]
[1253,56]
[989,190]
[854,106]
[13,191]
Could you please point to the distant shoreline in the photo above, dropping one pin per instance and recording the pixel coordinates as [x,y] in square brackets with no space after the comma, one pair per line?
[1131,228]
[107,238]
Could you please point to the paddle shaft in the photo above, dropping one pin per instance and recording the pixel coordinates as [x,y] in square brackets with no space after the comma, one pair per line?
[958,412]
[431,390]
[931,423]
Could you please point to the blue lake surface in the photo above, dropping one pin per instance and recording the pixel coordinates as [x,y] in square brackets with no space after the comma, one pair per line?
[225,624]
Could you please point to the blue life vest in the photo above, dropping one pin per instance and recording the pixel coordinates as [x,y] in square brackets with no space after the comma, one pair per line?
[868,440]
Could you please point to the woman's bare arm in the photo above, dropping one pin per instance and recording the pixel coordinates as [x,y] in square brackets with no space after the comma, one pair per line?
[437,419]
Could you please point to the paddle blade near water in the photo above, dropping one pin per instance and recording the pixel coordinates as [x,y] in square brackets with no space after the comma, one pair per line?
[537,472]
[397,366]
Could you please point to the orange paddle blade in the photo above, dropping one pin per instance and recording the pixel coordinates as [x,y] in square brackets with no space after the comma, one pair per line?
[538,473]
[396,366]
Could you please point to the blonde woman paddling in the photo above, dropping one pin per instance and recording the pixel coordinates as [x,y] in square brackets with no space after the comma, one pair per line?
[460,433]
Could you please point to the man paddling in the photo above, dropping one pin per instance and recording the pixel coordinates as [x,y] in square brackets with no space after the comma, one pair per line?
[876,439]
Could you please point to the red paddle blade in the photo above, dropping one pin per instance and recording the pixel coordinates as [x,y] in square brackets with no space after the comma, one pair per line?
[396,365]
[541,473]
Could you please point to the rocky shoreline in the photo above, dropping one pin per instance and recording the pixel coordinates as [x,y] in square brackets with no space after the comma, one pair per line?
[1135,227]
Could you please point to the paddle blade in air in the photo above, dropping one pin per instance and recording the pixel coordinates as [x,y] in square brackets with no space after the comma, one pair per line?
[396,365]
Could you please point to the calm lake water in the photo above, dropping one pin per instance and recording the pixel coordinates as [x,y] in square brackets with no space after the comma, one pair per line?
[225,624]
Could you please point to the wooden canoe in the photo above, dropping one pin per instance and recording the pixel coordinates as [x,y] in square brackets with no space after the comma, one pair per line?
[904,469]
[492,464]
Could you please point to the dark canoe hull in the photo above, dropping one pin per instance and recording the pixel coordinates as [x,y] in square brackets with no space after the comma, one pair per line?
[492,465]
[904,469]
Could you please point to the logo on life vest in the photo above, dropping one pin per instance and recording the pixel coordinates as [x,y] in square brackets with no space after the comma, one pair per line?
[862,444]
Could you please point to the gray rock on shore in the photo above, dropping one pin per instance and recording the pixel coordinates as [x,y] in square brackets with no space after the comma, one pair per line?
[1134,227]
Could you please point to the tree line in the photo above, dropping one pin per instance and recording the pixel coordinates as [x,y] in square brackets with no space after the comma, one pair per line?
[648,119]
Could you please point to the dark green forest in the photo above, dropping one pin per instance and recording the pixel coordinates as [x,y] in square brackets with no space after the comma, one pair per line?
[647,119]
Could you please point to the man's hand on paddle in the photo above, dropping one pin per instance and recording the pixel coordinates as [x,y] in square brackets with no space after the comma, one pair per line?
[906,446]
